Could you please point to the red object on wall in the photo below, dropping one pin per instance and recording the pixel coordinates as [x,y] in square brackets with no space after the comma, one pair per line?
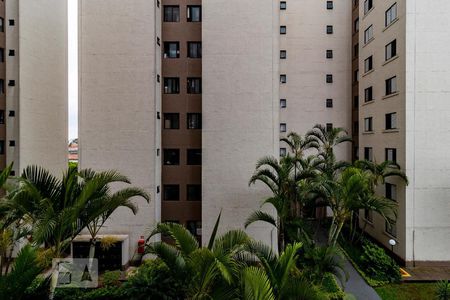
[141,245]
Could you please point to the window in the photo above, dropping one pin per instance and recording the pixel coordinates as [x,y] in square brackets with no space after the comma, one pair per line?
[356,50]
[2,87]
[194,157]
[368,34]
[171,13]
[2,55]
[194,49]
[355,127]
[391,85]
[12,143]
[283,78]
[158,41]
[2,147]
[171,192]
[194,121]
[391,154]
[329,29]
[283,29]
[12,52]
[368,124]
[11,83]
[391,50]
[283,5]
[283,127]
[391,227]
[368,215]
[194,227]
[368,4]
[194,85]
[2,25]
[356,75]
[11,22]
[171,49]
[283,103]
[329,54]
[356,25]
[12,113]
[171,157]
[329,103]
[283,152]
[171,121]
[391,15]
[368,64]
[283,54]
[356,102]
[329,78]
[368,94]
[368,153]
[391,121]
[356,152]
[2,117]
[194,13]
[391,191]
[329,4]
[194,192]
[329,127]
[171,85]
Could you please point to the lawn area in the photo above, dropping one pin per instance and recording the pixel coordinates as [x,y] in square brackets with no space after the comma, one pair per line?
[407,291]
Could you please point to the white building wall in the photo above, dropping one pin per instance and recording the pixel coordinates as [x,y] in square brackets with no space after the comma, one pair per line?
[118,101]
[240,109]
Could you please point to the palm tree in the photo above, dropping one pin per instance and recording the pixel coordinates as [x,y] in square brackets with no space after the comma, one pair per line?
[299,144]
[380,172]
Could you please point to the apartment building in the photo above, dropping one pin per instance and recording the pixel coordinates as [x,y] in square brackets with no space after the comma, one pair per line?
[184,96]
[33,84]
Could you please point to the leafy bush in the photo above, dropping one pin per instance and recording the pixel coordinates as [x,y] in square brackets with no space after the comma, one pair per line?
[38,290]
[104,293]
[112,278]
[378,265]
[443,290]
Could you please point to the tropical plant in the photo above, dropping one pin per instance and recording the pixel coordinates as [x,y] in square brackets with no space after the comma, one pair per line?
[378,265]
[380,172]
[443,290]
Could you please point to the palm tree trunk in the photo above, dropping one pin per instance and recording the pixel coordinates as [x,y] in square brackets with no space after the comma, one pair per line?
[337,232]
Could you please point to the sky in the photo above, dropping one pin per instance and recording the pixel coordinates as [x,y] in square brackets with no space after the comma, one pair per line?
[73,68]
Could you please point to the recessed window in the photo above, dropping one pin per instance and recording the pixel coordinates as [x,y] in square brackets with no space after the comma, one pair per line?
[356,102]
[329,103]
[171,85]
[12,52]
[171,121]
[283,54]
[391,85]
[391,14]
[356,127]
[171,192]
[368,64]
[368,4]
[11,83]
[2,87]
[194,157]
[368,94]
[2,25]
[329,4]
[368,34]
[356,25]
[356,50]
[368,153]
[391,154]
[171,13]
[12,143]
[283,103]
[283,5]
[194,121]
[194,192]
[391,227]
[11,22]
[329,127]
[329,78]
[2,117]
[2,55]
[356,75]
[2,147]
[391,50]
[368,124]
[329,29]
[329,54]
[391,121]
[283,29]
[283,152]
[194,227]
[194,13]
[391,191]
[171,157]
[194,85]
[194,49]
[12,113]
[171,49]
[283,127]
[283,78]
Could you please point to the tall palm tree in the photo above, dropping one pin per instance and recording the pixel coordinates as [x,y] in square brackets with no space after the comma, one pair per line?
[380,172]
[299,144]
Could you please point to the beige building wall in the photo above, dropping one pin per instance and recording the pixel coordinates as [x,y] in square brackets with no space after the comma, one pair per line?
[119,98]
[240,109]
[306,66]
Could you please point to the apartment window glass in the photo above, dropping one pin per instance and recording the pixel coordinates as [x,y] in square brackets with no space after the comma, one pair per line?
[194,156]
[329,127]
[171,85]
[329,4]
[283,5]
[194,49]
[2,55]
[391,227]
[368,34]
[391,50]
[368,64]
[194,13]
[194,121]
[283,103]
[171,192]
[329,54]
[283,54]
[329,78]
[2,117]
[329,29]
[356,102]
[391,191]
[12,113]
[391,14]
[368,94]
[391,154]
[368,153]
[356,50]
[329,103]
[171,49]
[356,75]
[283,78]
[391,121]
[368,4]
[283,127]
[171,13]
[2,147]
[368,124]
[391,85]
[194,85]
[194,227]
[356,25]
[171,121]
[194,192]
[283,29]
[2,86]
[2,25]
[283,152]
[171,157]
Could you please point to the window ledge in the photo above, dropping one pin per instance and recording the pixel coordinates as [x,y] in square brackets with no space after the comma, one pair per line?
[368,42]
[368,12]
[390,95]
[368,132]
[389,60]
[391,130]
[390,25]
[368,72]
[368,102]
[390,235]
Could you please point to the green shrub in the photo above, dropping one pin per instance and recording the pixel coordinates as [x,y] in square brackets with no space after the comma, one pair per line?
[443,290]
[378,265]
[38,290]
[112,278]
[104,293]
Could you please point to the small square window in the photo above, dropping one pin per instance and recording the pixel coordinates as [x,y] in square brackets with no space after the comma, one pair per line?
[194,192]
[283,5]
[171,49]
[329,4]
[11,83]
[171,157]
[329,53]
[329,78]
[283,152]
[194,157]
[329,29]
[171,192]
[283,103]
[329,127]
[283,78]
[283,127]
[171,121]
[368,153]
[329,103]
[171,13]
[283,29]
[194,13]
[11,22]
[283,54]
[12,52]
[194,121]
[12,143]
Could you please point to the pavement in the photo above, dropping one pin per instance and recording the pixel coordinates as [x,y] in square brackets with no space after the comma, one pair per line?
[357,286]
